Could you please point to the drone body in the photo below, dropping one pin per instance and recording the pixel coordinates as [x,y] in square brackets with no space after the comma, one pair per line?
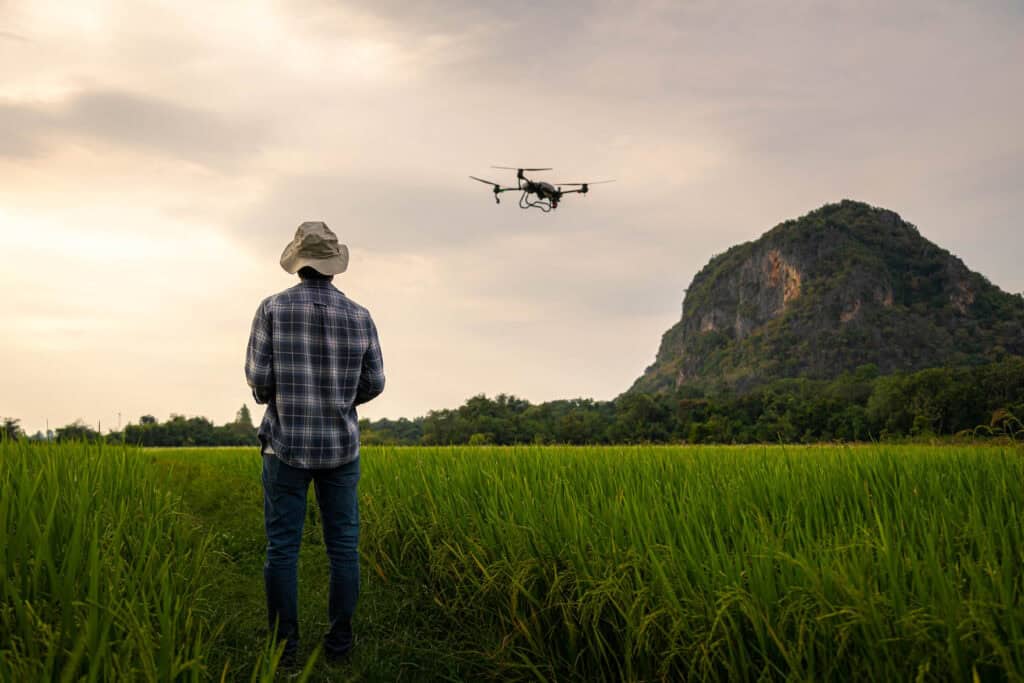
[547,195]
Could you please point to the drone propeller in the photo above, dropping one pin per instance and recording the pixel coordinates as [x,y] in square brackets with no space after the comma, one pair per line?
[596,182]
[516,168]
[481,180]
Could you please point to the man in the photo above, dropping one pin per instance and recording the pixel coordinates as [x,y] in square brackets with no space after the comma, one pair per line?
[313,356]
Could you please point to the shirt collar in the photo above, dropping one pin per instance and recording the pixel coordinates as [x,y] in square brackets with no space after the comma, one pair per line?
[320,284]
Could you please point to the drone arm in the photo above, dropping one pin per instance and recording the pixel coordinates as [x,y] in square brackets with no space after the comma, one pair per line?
[498,190]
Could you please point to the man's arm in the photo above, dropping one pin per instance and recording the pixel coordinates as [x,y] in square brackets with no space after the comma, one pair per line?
[259,357]
[371,378]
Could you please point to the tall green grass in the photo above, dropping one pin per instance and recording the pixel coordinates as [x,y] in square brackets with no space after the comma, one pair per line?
[100,578]
[715,563]
[637,564]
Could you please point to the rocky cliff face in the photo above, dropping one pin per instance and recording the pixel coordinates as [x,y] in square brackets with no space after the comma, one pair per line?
[843,286]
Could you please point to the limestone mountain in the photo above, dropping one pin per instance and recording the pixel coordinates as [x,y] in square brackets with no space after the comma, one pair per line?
[844,286]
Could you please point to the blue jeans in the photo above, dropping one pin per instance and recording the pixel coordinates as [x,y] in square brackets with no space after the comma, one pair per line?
[284,507]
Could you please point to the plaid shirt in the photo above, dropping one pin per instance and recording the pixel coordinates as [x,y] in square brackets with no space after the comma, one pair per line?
[313,356]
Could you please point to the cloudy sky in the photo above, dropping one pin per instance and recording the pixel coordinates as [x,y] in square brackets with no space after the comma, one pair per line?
[155,157]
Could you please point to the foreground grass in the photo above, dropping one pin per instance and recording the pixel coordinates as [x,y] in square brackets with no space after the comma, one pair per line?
[722,563]
[398,639]
[100,579]
[660,563]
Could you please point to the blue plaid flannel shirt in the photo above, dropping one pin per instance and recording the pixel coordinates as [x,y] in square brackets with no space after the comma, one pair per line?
[313,356]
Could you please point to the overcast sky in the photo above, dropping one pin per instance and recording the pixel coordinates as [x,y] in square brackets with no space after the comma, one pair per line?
[155,158]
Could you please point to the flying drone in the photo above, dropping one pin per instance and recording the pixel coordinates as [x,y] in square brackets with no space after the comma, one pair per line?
[547,194]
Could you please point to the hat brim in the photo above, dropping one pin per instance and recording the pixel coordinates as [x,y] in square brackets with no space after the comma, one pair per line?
[292,262]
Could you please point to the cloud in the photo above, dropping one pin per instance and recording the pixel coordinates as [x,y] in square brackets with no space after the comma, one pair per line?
[131,121]
[23,129]
[550,278]
[509,43]
[996,178]
[137,120]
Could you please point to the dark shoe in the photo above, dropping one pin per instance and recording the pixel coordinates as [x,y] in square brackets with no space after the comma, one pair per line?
[340,656]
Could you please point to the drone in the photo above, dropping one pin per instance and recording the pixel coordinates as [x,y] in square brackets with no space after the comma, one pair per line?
[548,195]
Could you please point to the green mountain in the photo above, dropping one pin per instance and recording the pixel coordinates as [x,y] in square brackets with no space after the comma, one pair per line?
[844,286]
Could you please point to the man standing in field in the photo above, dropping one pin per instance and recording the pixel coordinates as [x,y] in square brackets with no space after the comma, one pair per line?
[313,356]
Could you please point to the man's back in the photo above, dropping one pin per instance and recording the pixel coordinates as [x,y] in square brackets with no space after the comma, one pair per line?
[313,356]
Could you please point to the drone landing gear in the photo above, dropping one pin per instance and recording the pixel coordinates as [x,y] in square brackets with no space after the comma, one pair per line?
[542,204]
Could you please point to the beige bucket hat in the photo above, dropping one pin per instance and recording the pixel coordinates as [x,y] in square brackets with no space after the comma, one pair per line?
[317,247]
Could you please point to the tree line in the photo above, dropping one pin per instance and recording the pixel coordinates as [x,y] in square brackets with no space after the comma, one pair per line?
[177,431]
[861,405]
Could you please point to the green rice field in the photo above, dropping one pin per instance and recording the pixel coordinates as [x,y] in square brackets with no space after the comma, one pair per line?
[816,563]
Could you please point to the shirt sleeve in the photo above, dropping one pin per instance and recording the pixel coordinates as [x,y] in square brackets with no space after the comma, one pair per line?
[259,357]
[371,377]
